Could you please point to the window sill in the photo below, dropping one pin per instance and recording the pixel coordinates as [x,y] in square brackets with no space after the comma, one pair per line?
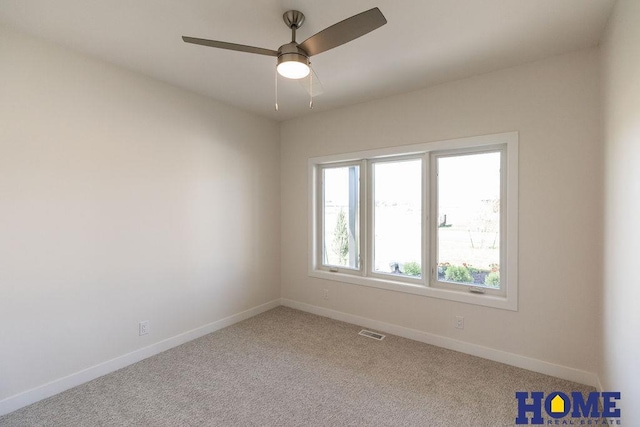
[505,303]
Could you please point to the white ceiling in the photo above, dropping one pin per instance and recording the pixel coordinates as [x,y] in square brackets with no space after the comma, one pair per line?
[424,43]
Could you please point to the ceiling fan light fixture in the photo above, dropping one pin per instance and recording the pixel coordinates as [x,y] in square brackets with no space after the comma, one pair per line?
[293,69]
[293,58]
[292,62]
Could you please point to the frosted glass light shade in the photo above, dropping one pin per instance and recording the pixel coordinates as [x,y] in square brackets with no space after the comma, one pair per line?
[293,69]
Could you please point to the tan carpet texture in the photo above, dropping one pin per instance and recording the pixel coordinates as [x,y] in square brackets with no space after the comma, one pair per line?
[290,368]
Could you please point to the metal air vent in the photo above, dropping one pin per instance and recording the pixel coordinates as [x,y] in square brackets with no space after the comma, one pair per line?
[369,334]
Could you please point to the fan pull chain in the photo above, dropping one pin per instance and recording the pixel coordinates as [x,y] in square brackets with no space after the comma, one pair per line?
[310,87]
[276,105]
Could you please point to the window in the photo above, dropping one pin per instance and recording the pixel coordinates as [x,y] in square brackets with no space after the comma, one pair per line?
[436,219]
[467,205]
[397,217]
[341,216]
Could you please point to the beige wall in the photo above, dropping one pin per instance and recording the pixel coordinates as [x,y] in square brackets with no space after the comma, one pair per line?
[122,199]
[621,90]
[554,104]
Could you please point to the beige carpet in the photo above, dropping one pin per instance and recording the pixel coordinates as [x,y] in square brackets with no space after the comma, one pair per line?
[289,368]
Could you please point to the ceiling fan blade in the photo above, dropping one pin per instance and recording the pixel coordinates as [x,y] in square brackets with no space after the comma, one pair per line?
[312,84]
[344,31]
[230,46]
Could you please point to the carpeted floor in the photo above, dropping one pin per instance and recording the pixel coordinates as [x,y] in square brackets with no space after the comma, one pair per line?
[289,368]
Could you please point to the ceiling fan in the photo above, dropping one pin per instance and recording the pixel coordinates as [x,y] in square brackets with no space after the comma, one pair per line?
[293,58]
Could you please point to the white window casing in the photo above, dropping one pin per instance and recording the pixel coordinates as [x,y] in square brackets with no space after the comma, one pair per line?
[428,284]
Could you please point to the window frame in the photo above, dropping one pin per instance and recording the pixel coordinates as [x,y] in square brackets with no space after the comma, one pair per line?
[370,224]
[506,299]
[433,252]
[320,215]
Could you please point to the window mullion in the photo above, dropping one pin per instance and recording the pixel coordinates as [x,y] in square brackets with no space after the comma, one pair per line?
[354,207]
[320,216]
[433,223]
[426,215]
[504,200]
[368,216]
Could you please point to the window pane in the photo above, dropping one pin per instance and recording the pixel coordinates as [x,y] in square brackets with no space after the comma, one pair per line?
[468,200]
[341,216]
[397,245]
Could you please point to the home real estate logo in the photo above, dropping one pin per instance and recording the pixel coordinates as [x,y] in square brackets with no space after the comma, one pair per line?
[564,410]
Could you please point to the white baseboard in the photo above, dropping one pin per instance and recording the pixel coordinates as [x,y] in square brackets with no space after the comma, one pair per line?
[59,385]
[540,366]
[49,389]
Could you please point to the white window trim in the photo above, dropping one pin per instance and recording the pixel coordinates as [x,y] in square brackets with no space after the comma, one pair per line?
[509,301]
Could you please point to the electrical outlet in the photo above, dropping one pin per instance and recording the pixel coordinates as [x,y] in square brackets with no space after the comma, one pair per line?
[325,293]
[143,328]
[459,324]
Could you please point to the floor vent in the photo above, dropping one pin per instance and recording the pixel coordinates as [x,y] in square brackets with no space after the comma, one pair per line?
[374,335]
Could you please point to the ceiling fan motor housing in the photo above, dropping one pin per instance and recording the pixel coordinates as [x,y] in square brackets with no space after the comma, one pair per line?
[291,52]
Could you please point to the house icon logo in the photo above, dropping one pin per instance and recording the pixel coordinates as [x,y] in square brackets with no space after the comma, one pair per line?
[557,405]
